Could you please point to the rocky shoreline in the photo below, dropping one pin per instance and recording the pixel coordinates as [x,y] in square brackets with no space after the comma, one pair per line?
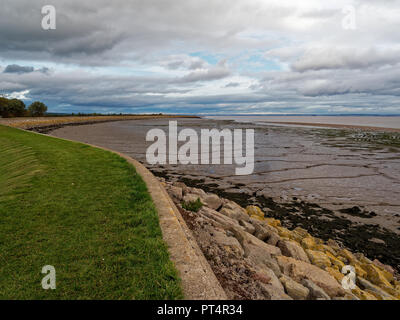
[255,257]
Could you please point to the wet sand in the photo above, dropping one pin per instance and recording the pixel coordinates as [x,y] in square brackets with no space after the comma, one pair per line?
[337,183]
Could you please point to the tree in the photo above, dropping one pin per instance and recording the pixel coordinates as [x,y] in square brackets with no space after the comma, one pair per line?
[37,109]
[16,108]
[11,108]
[4,107]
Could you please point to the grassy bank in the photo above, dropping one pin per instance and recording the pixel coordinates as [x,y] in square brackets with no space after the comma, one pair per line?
[84,211]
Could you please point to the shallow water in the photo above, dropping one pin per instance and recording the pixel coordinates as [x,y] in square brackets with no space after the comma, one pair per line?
[368,121]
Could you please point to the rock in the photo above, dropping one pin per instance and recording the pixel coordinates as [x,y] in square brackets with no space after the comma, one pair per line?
[387,270]
[333,244]
[233,214]
[376,240]
[223,221]
[363,295]
[319,258]
[298,234]
[284,232]
[335,261]
[212,201]
[308,243]
[229,244]
[316,293]
[200,192]
[366,285]
[247,240]
[348,256]
[376,276]
[254,211]
[191,197]
[273,293]
[292,249]
[299,270]
[273,222]
[273,279]
[335,273]
[293,289]
[247,226]
[360,272]
[265,233]
[176,192]
[185,189]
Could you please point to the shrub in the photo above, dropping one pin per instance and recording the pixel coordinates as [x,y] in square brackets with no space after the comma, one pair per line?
[192,205]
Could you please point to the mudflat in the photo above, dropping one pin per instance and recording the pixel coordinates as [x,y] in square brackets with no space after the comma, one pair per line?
[342,183]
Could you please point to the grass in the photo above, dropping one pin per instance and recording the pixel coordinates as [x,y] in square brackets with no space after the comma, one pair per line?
[84,211]
[194,206]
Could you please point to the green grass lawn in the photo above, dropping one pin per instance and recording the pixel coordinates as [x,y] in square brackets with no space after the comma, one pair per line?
[84,211]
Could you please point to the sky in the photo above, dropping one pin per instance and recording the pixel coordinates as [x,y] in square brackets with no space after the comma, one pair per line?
[203,56]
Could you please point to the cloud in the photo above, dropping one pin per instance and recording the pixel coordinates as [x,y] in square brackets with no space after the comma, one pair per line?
[217,72]
[203,56]
[14,68]
[346,58]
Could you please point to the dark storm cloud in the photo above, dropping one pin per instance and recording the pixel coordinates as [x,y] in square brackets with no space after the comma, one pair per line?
[14,68]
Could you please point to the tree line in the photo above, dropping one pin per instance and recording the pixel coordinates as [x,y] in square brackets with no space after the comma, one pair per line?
[16,108]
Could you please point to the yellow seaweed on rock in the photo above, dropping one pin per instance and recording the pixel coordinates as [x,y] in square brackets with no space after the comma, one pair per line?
[319,258]
[335,261]
[308,243]
[335,273]
[254,211]
[376,276]
[363,295]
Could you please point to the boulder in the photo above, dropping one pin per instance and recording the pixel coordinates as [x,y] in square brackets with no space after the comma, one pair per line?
[363,295]
[265,233]
[229,244]
[335,273]
[369,287]
[254,211]
[176,192]
[350,258]
[234,211]
[315,292]
[319,258]
[185,189]
[191,197]
[387,270]
[376,276]
[299,234]
[284,232]
[273,293]
[247,226]
[292,249]
[308,243]
[293,289]
[212,201]
[267,273]
[335,261]
[299,270]
[200,192]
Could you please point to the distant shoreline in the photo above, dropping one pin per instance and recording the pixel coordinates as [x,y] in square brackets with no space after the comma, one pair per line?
[339,126]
